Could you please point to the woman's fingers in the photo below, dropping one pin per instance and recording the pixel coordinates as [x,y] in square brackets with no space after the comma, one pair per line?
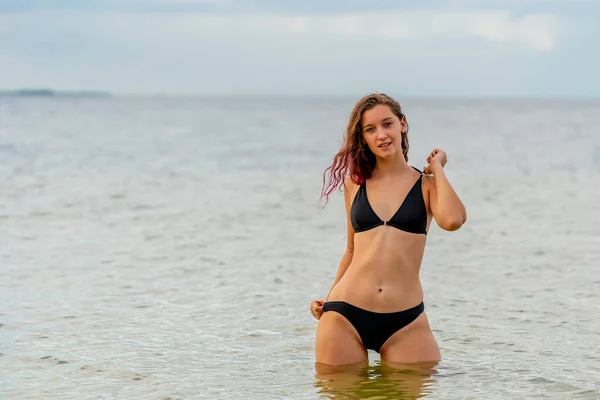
[316,308]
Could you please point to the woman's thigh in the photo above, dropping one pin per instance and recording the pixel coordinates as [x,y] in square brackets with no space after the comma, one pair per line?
[414,343]
[337,342]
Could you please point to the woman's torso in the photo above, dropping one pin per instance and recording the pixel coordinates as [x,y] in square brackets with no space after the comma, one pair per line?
[384,273]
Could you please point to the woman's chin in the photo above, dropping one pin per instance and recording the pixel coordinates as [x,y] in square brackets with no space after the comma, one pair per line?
[387,153]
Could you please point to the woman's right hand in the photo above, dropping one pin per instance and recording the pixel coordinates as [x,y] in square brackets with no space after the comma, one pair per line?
[316,308]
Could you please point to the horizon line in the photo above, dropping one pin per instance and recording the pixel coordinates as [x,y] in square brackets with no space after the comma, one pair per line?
[57,93]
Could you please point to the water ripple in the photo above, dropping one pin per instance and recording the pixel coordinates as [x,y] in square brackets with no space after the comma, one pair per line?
[141,258]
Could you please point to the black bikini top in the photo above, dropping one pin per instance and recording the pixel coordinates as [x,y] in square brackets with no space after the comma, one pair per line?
[411,216]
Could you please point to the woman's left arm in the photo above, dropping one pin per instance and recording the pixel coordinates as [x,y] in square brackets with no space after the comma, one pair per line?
[447,208]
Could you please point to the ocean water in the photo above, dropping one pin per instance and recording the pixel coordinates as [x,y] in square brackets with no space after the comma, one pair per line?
[169,248]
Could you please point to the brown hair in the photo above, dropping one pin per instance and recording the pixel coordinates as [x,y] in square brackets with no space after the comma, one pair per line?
[355,158]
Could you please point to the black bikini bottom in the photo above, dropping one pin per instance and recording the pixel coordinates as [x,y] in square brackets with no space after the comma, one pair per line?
[374,328]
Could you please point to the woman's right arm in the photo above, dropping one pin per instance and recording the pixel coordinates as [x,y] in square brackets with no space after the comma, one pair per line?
[317,305]
[349,252]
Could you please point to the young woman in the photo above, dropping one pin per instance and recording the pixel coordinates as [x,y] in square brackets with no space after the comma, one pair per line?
[376,301]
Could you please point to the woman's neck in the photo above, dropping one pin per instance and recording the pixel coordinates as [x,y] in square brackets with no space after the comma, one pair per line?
[390,166]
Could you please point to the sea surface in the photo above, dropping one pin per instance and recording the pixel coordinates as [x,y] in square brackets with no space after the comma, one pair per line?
[169,248]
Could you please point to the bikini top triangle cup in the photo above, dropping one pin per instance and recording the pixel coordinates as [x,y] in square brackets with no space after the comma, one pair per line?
[411,216]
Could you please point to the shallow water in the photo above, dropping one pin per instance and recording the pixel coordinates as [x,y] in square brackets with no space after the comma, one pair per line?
[169,249]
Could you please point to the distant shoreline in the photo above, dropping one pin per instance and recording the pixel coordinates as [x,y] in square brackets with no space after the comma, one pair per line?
[52,93]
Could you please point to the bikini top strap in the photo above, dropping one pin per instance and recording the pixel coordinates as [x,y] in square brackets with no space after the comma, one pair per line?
[416,169]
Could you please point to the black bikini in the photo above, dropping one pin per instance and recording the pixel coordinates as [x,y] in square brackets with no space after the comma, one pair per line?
[375,328]
[372,327]
[411,216]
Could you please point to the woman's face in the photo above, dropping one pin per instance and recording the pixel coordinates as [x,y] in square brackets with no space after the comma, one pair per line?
[382,131]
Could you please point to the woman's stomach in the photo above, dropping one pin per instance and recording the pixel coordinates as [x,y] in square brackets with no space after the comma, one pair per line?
[383,275]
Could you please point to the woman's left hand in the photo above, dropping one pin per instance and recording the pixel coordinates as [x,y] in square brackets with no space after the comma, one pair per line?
[437,159]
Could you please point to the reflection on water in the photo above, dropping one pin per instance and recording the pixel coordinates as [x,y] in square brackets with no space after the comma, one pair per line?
[381,380]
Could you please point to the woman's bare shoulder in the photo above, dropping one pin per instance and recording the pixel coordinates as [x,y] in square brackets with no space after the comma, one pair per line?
[350,186]
[348,182]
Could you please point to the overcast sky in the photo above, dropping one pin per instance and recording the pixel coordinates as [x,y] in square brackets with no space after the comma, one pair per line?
[336,47]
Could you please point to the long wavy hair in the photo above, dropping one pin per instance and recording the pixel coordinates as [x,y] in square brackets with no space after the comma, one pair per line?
[355,158]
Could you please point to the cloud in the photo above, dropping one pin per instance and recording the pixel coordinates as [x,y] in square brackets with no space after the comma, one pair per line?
[519,7]
[386,19]
[538,32]
[418,51]
[417,31]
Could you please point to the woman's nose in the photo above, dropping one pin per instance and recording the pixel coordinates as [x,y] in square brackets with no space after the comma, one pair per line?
[381,133]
